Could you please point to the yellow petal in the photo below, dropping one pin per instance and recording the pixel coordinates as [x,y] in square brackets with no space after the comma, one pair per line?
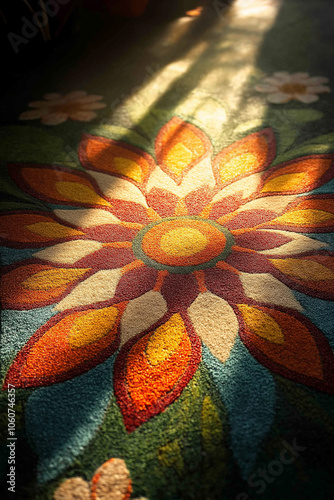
[261,324]
[303,268]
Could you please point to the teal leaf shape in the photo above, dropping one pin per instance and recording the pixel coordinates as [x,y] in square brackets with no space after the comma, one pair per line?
[249,394]
[62,419]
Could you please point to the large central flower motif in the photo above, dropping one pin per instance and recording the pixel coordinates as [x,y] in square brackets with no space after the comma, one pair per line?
[155,258]
[182,244]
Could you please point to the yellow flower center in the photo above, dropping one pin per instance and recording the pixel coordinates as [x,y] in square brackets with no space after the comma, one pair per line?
[183,242]
[293,88]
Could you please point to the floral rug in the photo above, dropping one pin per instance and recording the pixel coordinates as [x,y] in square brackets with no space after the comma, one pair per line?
[167,292]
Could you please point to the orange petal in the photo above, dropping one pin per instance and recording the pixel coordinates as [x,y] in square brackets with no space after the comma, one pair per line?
[68,345]
[252,154]
[34,229]
[58,185]
[311,274]
[151,371]
[298,176]
[34,285]
[115,157]
[179,146]
[288,344]
[313,214]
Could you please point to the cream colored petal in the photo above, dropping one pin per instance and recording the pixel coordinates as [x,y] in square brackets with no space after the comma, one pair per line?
[54,118]
[74,488]
[215,322]
[317,89]
[83,116]
[271,203]
[68,252]
[266,289]
[113,480]
[299,77]
[306,98]
[77,94]
[299,244]
[317,80]
[271,80]
[97,288]
[266,88]
[278,97]
[87,217]
[120,189]
[160,180]
[52,96]
[33,114]
[141,313]
[200,175]
[280,76]
[245,187]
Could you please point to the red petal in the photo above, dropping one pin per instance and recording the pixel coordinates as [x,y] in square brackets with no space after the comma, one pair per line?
[260,241]
[68,345]
[107,258]
[198,199]
[130,211]
[108,233]
[152,369]
[225,206]
[288,344]
[179,290]
[249,219]
[163,202]
[135,283]
[179,146]
[248,261]
[225,284]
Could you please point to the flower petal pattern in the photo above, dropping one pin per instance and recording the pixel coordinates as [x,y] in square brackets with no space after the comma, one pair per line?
[151,372]
[245,157]
[288,344]
[115,157]
[67,345]
[179,146]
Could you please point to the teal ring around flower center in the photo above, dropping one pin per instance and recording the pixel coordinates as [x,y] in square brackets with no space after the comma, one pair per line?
[198,244]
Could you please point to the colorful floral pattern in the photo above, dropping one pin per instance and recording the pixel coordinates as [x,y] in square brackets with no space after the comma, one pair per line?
[110,481]
[57,108]
[156,257]
[283,87]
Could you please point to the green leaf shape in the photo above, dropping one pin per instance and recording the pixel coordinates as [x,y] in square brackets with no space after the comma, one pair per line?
[119,134]
[32,145]
[170,456]
[302,115]
[160,447]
